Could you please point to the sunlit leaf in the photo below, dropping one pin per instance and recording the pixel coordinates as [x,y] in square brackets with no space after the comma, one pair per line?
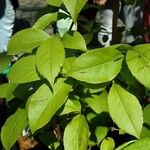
[44,103]
[143,144]
[74,7]
[50,58]
[97,66]
[125,110]
[138,61]
[55,2]
[25,40]
[76,134]
[13,128]
[45,20]
[24,70]
[74,40]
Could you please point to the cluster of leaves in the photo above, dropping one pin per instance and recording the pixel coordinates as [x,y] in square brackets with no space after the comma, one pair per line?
[74,97]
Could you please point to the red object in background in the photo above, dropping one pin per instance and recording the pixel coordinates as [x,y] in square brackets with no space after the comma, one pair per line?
[146,20]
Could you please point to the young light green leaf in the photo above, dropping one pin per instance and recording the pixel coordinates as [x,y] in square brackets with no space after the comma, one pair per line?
[71,106]
[74,40]
[4,61]
[3,90]
[64,25]
[138,61]
[55,2]
[125,110]
[24,70]
[13,128]
[98,102]
[76,134]
[107,144]
[101,133]
[46,103]
[143,144]
[26,40]
[45,20]
[74,7]
[50,58]
[97,66]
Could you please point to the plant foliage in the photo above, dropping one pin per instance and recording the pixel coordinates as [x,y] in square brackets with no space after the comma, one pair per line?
[94,95]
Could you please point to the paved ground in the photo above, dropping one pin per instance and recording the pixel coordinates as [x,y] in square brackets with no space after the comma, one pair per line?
[28,9]
[32,4]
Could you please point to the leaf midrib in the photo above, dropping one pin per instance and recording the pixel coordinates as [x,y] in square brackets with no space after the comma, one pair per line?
[128,114]
[14,126]
[50,100]
[92,66]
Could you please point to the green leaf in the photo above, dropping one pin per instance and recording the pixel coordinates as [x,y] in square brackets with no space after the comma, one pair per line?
[97,66]
[138,61]
[90,116]
[94,88]
[143,144]
[107,144]
[76,134]
[71,106]
[125,110]
[64,25]
[98,102]
[146,113]
[4,61]
[74,40]
[101,133]
[3,90]
[25,40]
[50,58]
[45,20]
[145,133]
[55,2]
[67,63]
[13,128]
[24,70]
[44,104]
[74,7]
[121,147]
[88,37]
[10,93]
[6,91]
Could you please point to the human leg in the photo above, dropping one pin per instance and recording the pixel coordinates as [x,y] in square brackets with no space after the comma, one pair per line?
[6,25]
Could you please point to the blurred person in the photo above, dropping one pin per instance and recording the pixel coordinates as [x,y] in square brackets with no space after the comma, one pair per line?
[7,17]
[131,17]
[146,21]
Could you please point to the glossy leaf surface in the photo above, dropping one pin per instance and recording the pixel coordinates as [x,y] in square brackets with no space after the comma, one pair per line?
[76,134]
[74,7]
[138,61]
[24,70]
[44,103]
[97,66]
[125,110]
[25,40]
[50,58]
[45,20]
[74,41]
[13,128]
